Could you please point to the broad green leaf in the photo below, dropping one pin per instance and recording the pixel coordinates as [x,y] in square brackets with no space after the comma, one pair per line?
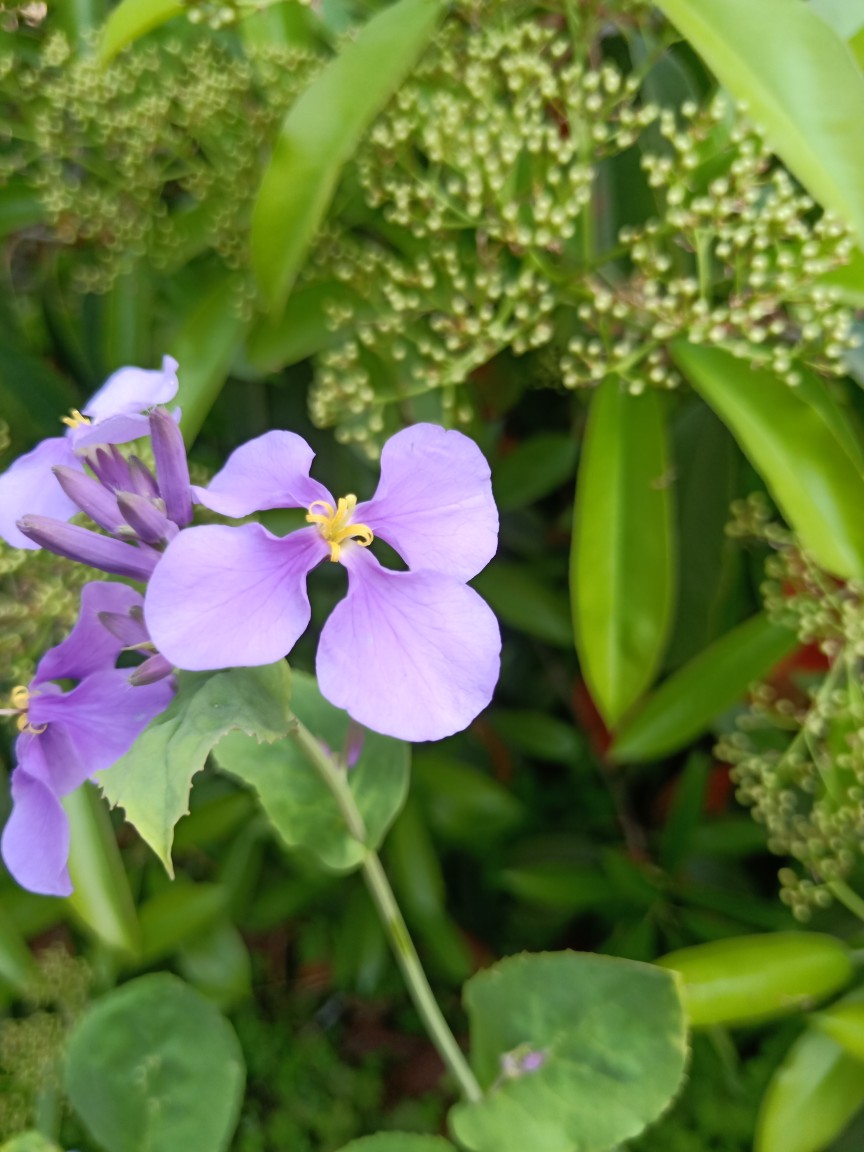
[177,914]
[296,800]
[609,1037]
[812,1096]
[526,602]
[205,345]
[749,978]
[152,781]
[685,704]
[792,443]
[398,1142]
[17,966]
[622,563]
[154,1065]
[303,329]
[535,468]
[846,17]
[131,20]
[800,82]
[101,896]
[321,132]
[218,964]
[844,1022]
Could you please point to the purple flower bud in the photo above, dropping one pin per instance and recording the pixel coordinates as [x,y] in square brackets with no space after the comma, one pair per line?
[89,547]
[109,467]
[148,521]
[90,496]
[143,480]
[128,627]
[171,467]
[154,668]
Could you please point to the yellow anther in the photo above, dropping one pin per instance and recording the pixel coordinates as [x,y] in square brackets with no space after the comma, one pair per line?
[20,702]
[75,419]
[335,524]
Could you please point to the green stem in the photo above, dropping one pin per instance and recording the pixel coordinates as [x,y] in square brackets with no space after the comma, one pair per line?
[391,917]
[841,890]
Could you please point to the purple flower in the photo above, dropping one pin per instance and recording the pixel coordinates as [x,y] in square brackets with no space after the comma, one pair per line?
[114,415]
[411,654]
[67,736]
[142,512]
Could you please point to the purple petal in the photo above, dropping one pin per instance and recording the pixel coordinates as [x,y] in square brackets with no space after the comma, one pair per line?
[434,502]
[90,647]
[271,471]
[88,547]
[29,485]
[229,597]
[35,842]
[114,430]
[110,468]
[133,390]
[148,522]
[409,654]
[171,467]
[127,627]
[90,496]
[152,669]
[141,480]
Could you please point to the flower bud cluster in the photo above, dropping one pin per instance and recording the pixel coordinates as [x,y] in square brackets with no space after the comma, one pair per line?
[798,751]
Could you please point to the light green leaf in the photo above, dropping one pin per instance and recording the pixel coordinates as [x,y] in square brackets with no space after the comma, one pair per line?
[846,17]
[152,781]
[792,442]
[296,800]
[801,84]
[131,20]
[399,1142]
[610,1038]
[622,563]
[844,1023]
[321,132]
[685,704]
[155,1065]
[29,1142]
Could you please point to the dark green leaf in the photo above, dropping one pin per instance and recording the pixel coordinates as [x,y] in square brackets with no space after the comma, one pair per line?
[177,914]
[537,467]
[526,603]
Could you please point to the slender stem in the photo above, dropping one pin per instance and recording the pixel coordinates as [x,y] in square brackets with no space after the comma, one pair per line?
[841,890]
[391,917]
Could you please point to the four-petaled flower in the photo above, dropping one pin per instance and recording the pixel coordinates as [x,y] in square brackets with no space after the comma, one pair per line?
[413,654]
[67,736]
[114,415]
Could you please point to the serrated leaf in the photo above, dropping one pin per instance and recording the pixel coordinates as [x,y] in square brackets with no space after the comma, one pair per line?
[152,781]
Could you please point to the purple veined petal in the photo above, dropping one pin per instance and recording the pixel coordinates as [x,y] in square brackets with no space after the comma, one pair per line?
[90,496]
[112,430]
[171,467]
[90,647]
[271,471]
[29,485]
[35,841]
[133,390]
[410,654]
[434,502]
[231,597]
[90,727]
[86,547]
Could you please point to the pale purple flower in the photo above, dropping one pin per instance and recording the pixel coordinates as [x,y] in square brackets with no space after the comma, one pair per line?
[67,736]
[114,415]
[411,654]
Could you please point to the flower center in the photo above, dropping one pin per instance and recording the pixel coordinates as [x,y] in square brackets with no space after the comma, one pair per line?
[20,703]
[335,525]
[75,419]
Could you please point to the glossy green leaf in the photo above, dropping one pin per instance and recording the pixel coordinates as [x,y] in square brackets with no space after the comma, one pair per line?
[296,800]
[791,442]
[131,20]
[622,564]
[155,1065]
[101,896]
[609,1038]
[177,914]
[748,978]
[526,602]
[844,1023]
[685,704]
[152,781]
[812,1096]
[321,132]
[800,83]
[532,470]
[205,344]
[399,1142]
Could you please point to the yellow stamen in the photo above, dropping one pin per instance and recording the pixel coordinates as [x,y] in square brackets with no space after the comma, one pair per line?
[21,702]
[335,524]
[75,419]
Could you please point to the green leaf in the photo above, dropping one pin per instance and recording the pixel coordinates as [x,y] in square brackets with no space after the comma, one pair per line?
[611,1038]
[462,803]
[399,1142]
[525,602]
[176,915]
[622,563]
[155,1065]
[304,329]
[298,803]
[844,1023]
[793,444]
[131,20]
[152,781]
[321,132]
[812,1096]
[801,84]
[101,896]
[17,966]
[535,468]
[29,1142]
[218,964]
[685,704]
[749,978]
[539,735]
[559,884]
[846,17]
